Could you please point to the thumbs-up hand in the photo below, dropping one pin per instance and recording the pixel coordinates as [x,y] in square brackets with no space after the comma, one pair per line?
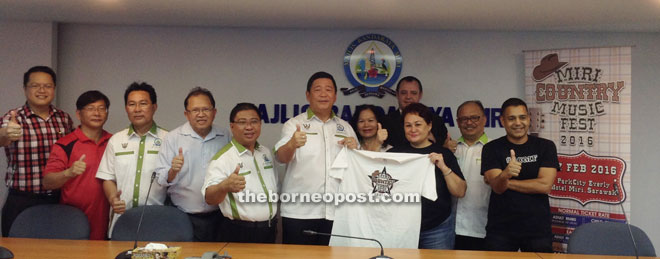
[235,182]
[513,168]
[381,134]
[299,138]
[77,168]
[14,130]
[177,162]
[118,205]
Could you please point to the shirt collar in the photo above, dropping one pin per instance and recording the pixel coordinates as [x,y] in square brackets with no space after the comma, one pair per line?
[188,130]
[153,130]
[28,112]
[241,149]
[483,139]
[82,137]
[310,114]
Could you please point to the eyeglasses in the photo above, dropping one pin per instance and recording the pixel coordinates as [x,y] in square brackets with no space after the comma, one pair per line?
[243,123]
[473,119]
[101,109]
[41,86]
[142,105]
[197,111]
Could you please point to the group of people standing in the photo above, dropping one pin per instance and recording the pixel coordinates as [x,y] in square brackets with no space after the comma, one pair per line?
[500,186]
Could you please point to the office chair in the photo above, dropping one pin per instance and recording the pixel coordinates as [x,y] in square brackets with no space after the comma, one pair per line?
[609,238]
[52,221]
[160,223]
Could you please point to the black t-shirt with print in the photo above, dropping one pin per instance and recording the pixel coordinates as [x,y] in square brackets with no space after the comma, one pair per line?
[512,212]
[435,212]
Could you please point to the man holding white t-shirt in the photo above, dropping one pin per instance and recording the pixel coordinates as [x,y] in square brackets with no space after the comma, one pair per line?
[308,145]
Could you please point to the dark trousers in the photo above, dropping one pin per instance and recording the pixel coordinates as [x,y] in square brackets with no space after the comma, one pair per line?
[18,201]
[206,226]
[292,231]
[249,232]
[469,243]
[503,242]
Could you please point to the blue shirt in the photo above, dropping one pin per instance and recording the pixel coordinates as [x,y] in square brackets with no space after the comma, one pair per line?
[197,154]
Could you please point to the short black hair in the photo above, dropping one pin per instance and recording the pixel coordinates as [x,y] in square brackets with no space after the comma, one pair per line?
[379,113]
[199,91]
[135,86]
[319,75]
[513,102]
[89,97]
[477,102]
[419,109]
[409,79]
[34,69]
[243,107]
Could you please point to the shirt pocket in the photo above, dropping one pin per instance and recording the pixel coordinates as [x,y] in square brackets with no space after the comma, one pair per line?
[124,165]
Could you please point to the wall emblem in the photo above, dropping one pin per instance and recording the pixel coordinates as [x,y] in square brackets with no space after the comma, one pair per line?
[372,63]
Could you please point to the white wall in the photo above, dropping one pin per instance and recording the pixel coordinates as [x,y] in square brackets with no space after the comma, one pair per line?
[23,45]
[272,67]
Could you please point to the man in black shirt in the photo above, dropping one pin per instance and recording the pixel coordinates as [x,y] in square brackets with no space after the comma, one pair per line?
[521,170]
[409,90]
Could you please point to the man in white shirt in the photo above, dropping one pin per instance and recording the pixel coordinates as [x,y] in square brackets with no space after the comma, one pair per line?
[241,168]
[183,160]
[131,154]
[472,209]
[308,145]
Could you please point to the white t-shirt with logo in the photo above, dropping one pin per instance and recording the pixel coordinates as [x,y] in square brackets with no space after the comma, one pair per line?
[389,176]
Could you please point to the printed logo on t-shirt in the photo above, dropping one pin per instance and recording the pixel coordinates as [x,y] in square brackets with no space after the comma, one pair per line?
[382,181]
[524,159]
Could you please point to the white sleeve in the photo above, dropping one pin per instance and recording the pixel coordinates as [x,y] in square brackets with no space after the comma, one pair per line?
[106,169]
[428,187]
[287,132]
[217,171]
[340,165]
[165,155]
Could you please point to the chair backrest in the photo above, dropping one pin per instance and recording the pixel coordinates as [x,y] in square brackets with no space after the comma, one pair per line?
[609,238]
[160,223]
[53,221]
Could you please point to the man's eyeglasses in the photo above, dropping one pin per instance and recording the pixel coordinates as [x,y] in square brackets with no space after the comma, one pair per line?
[93,109]
[41,86]
[473,119]
[202,110]
[243,123]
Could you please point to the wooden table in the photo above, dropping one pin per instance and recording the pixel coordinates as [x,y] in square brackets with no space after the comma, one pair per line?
[54,248]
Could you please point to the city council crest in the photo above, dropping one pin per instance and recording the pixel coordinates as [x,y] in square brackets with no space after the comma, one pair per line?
[372,63]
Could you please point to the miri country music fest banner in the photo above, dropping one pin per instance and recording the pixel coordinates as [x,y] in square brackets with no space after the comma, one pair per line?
[580,99]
